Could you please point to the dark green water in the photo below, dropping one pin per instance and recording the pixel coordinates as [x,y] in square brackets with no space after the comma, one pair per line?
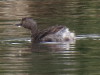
[79,57]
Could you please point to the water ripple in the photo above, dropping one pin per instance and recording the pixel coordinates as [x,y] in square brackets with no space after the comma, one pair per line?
[88,36]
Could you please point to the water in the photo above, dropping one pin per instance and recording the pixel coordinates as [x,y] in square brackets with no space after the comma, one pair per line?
[78,57]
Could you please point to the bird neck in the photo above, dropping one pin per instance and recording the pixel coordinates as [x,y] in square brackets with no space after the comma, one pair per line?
[34,30]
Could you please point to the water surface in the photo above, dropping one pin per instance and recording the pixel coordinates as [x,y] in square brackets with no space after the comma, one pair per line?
[78,57]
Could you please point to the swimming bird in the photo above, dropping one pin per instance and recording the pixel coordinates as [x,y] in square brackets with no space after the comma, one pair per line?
[57,33]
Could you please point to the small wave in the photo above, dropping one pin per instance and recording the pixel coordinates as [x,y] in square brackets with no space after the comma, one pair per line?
[15,41]
[91,36]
